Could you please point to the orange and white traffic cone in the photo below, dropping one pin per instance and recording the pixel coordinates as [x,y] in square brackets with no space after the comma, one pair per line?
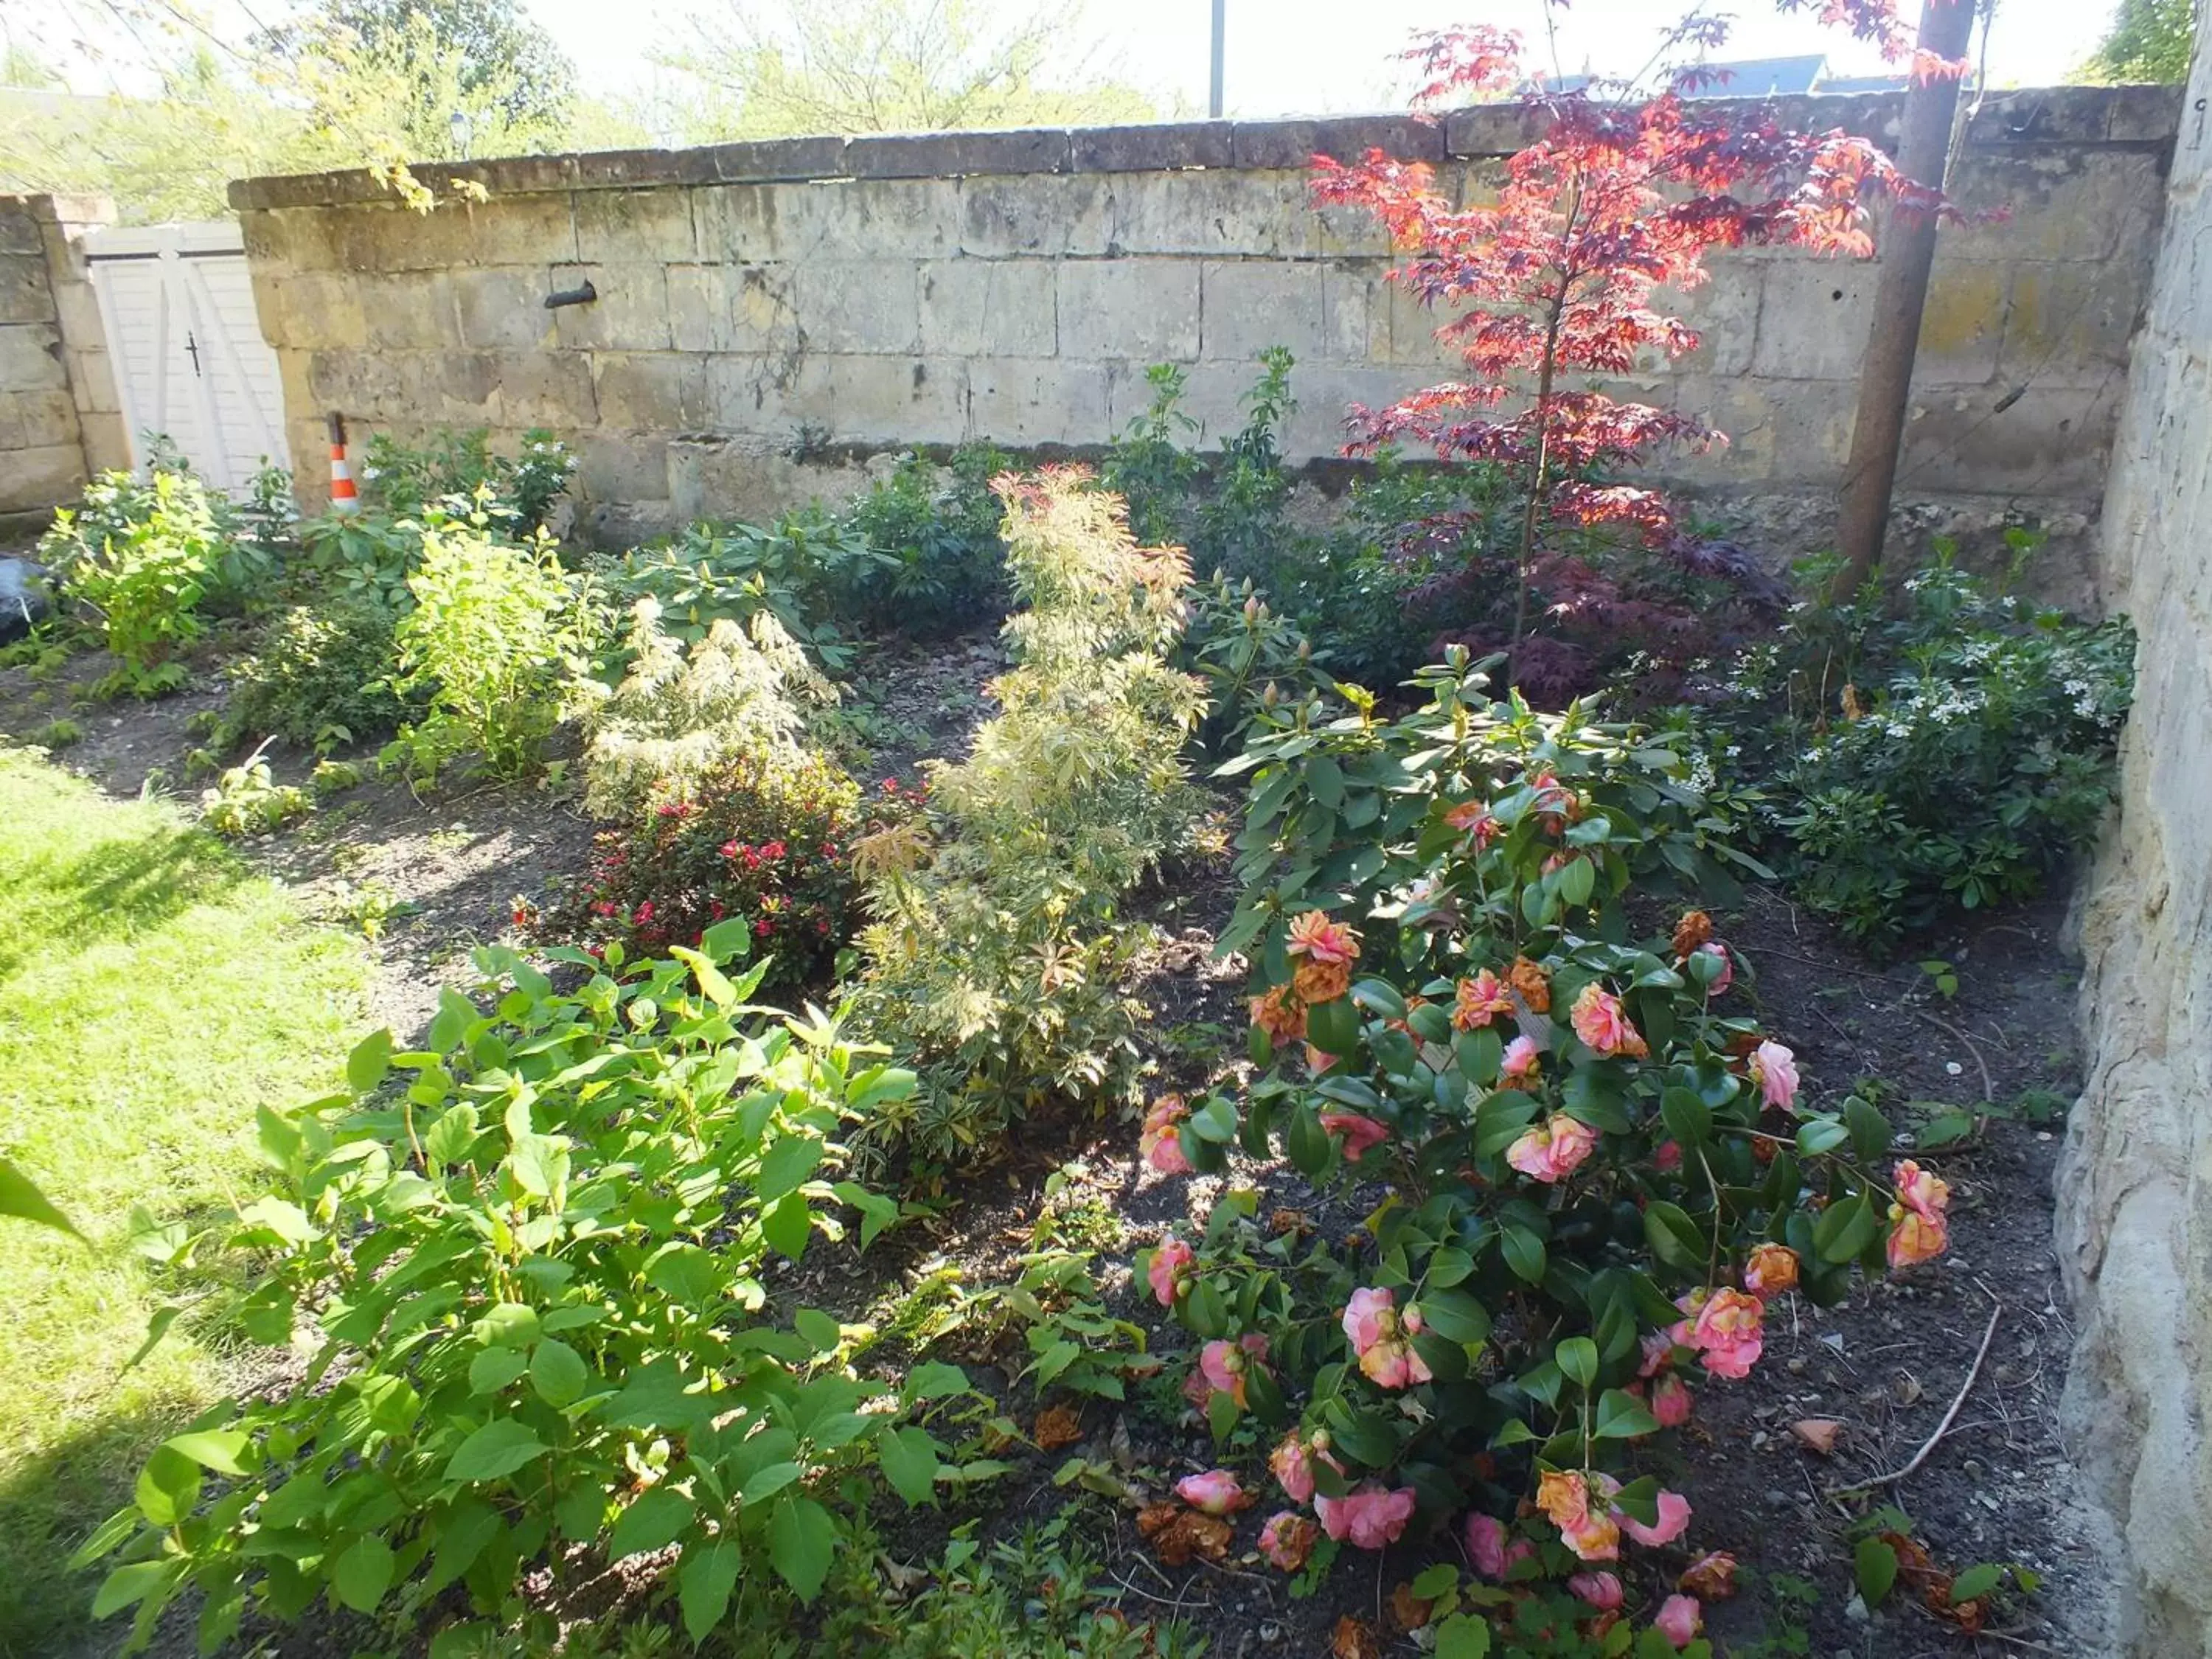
[345,499]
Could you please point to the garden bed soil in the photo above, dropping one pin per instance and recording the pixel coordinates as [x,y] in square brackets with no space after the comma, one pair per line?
[1887,1365]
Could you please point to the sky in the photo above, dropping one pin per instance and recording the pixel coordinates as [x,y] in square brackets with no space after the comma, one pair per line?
[1284,56]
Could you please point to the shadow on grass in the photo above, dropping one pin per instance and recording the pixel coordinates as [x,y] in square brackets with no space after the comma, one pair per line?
[119,887]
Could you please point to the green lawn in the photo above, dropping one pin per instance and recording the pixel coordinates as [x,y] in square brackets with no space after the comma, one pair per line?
[152,993]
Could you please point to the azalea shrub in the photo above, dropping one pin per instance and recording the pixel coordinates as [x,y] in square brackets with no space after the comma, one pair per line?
[524,1270]
[1603,1167]
[996,950]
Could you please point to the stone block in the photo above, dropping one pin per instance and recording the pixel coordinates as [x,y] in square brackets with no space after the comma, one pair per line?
[1212,211]
[775,159]
[990,308]
[615,525]
[848,219]
[639,169]
[1741,409]
[745,392]
[741,308]
[1810,422]
[1814,319]
[106,442]
[2076,203]
[26,296]
[1145,309]
[516,230]
[1963,325]
[92,382]
[1355,312]
[2041,115]
[1047,214]
[34,480]
[859,308]
[545,388]
[76,309]
[1247,306]
[874,399]
[629,314]
[662,392]
[1326,398]
[2149,115]
[955,154]
[37,420]
[408,311]
[2054,440]
[1346,137]
[455,388]
[1412,331]
[2068,324]
[1028,401]
[20,227]
[621,227]
[504,308]
[622,467]
[1488,129]
[31,357]
[750,478]
[1153,147]
[1725,310]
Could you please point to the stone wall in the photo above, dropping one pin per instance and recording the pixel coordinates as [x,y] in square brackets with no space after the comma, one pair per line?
[765,309]
[2135,1188]
[60,420]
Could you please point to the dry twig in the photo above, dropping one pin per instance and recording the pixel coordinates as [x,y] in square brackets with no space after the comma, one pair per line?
[1943,1428]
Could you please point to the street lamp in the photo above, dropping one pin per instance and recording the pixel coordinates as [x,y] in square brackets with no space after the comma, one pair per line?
[462,129]
[1220,44]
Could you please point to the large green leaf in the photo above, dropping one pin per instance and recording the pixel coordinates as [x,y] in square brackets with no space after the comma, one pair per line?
[802,1541]
[499,1449]
[703,1584]
[20,1197]
[909,1457]
[653,1522]
[363,1573]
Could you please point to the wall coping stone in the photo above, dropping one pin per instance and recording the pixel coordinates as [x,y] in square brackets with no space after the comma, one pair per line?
[2138,117]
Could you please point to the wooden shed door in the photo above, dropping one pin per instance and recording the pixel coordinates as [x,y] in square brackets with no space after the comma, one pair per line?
[190,362]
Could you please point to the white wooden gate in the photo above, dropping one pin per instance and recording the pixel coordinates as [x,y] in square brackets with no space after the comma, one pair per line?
[190,362]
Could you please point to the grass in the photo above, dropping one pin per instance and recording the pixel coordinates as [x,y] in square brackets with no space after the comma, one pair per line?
[152,993]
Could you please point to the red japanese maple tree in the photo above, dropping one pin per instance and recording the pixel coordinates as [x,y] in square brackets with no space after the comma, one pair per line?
[1626,189]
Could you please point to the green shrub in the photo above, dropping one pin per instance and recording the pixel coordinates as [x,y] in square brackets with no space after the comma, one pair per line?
[677,715]
[943,565]
[996,951]
[1950,756]
[533,1269]
[714,573]
[458,471]
[318,676]
[496,636]
[247,801]
[142,558]
[1601,1166]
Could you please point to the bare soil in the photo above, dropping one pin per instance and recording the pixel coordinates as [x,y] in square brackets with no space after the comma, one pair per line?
[1887,1365]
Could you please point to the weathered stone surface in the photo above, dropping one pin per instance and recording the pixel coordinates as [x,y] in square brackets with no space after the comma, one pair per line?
[1150,148]
[990,308]
[1249,305]
[774,158]
[1346,137]
[31,357]
[859,308]
[26,296]
[954,155]
[2068,324]
[1014,400]
[406,311]
[622,226]
[2134,1212]
[1046,215]
[1212,211]
[1142,308]
[503,306]
[629,314]
[658,391]
[36,479]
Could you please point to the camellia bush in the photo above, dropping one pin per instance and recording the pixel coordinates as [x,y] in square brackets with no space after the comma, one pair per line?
[524,1267]
[1601,1167]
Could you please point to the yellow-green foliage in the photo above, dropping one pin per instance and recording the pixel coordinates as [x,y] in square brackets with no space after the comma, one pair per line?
[676,717]
[997,950]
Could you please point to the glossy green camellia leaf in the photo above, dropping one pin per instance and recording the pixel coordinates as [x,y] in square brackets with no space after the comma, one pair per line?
[1577,1359]
[802,1541]
[1334,1026]
[1820,1136]
[494,1451]
[1214,1120]
[1843,1230]
[1308,1143]
[1688,1119]
[1869,1129]
[1524,1252]
[1454,1316]
[1675,1238]
[1621,1416]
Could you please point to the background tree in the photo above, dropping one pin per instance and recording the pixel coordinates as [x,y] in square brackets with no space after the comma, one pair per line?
[2149,40]
[771,67]
[493,48]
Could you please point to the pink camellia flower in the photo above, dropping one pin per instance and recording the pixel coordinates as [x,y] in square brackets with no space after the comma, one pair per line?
[1319,1059]
[1710,1577]
[1223,1366]
[1485,1545]
[1472,817]
[1726,1332]
[1679,1621]
[1314,936]
[1523,1064]
[1381,1339]
[1667,1157]
[1670,1402]
[1601,1022]
[1477,1001]
[1549,1152]
[1159,1142]
[1287,1539]
[1774,1069]
[1172,1267]
[1921,1230]
[1293,1461]
[1214,1492]
[1771,1270]
[1588,1528]
[1658,1353]
[1673,1516]
[1600,1590]
[1921,1190]
[1713,947]
[1369,1518]
[1360,1134]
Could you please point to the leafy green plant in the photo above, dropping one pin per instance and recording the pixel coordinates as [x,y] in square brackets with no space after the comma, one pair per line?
[1951,757]
[942,564]
[141,557]
[497,635]
[795,567]
[533,1262]
[996,951]
[247,801]
[448,467]
[60,733]
[319,675]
